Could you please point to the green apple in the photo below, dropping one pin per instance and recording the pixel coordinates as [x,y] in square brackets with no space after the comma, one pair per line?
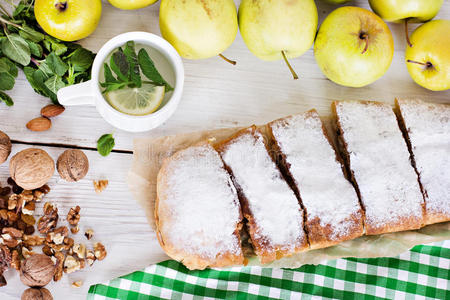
[278,29]
[198,29]
[428,60]
[353,47]
[399,10]
[406,10]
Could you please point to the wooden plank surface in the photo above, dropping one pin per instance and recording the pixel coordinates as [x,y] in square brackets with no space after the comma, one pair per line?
[216,93]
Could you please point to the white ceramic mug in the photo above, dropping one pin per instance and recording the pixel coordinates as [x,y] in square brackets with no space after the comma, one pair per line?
[89,92]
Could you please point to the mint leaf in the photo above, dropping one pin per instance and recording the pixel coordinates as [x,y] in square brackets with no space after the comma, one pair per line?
[12,68]
[134,75]
[54,83]
[7,99]
[17,49]
[105,144]
[30,34]
[81,59]
[119,65]
[35,49]
[6,81]
[109,77]
[150,71]
[56,64]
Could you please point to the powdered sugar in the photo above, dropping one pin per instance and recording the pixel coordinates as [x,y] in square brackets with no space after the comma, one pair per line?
[428,127]
[324,191]
[275,208]
[200,203]
[379,158]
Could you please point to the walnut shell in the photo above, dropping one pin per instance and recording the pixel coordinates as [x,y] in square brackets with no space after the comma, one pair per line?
[5,147]
[72,165]
[36,294]
[31,168]
[37,270]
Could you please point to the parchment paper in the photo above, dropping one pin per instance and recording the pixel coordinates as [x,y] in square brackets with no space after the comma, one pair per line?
[147,159]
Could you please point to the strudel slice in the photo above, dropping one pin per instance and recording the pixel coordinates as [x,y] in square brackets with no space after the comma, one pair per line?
[380,164]
[427,128]
[197,211]
[273,213]
[333,213]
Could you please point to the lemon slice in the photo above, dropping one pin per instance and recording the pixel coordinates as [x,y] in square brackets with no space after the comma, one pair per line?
[137,101]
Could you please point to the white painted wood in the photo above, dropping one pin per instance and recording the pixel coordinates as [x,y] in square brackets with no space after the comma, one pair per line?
[118,222]
[216,94]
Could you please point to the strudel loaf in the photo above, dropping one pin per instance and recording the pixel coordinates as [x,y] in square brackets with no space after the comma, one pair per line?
[379,161]
[427,129]
[197,211]
[333,213]
[273,213]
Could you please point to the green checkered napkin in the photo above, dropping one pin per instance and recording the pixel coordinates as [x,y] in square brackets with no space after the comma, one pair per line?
[421,273]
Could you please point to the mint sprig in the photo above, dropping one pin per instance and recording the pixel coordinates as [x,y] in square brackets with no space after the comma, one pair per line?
[48,63]
[124,70]
[105,144]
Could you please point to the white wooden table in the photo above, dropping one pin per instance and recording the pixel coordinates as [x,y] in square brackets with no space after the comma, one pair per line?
[216,95]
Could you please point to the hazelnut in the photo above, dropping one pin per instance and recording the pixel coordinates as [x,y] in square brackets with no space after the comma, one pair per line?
[5,147]
[31,168]
[37,294]
[72,165]
[37,270]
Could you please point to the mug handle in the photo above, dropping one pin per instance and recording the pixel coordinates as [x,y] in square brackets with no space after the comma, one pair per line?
[77,94]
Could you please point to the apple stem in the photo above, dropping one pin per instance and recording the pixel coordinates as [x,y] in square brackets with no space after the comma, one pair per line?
[406,33]
[289,65]
[365,37]
[427,64]
[61,6]
[227,59]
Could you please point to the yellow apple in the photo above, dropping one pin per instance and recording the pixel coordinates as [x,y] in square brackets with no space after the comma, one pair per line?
[68,20]
[279,29]
[198,29]
[406,11]
[336,1]
[413,10]
[428,60]
[353,47]
[131,4]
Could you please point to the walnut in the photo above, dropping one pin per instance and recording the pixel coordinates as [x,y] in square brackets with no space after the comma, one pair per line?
[5,258]
[48,251]
[5,147]
[49,220]
[72,165]
[33,240]
[58,235]
[79,250]
[75,229]
[59,265]
[12,201]
[36,294]
[100,185]
[31,168]
[27,252]
[89,233]
[71,264]
[9,240]
[29,208]
[15,260]
[90,257]
[37,270]
[73,217]
[77,284]
[99,251]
